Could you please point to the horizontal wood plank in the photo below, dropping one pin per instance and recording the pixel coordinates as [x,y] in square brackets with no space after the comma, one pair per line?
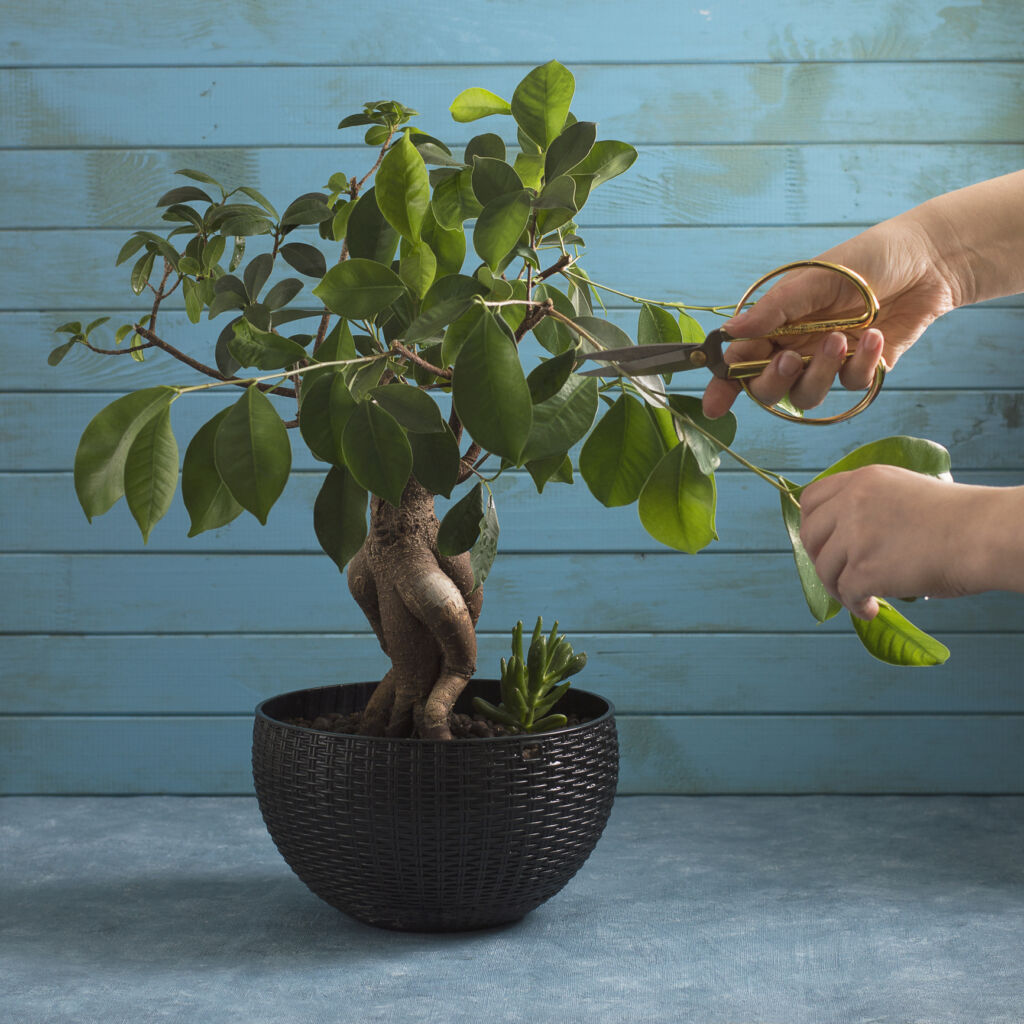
[785,101]
[974,347]
[642,673]
[49,519]
[187,32]
[675,754]
[713,184]
[640,593]
[980,428]
[699,265]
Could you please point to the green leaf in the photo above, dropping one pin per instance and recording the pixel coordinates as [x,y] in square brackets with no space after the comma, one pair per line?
[449,297]
[103,449]
[326,407]
[306,259]
[141,272]
[621,453]
[418,267]
[199,176]
[448,246]
[403,188]
[283,292]
[546,380]
[499,226]
[657,326]
[691,330]
[569,149]
[823,606]
[491,396]
[894,639]
[605,160]
[130,248]
[540,103]
[472,104]
[256,274]
[458,331]
[486,145]
[555,467]
[460,525]
[60,352]
[677,503]
[311,208]
[193,300]
[530,168]
[237,252]
[377,451]
[493,178]
[151,472]
[435,460]
[915,453]
[252,453]
[368,234]
[483,552]
[556,204]
[707,453]
[339,515]
[262,349]
[359,288]
[260,198]
[454,200]
[413,408]
[560,421]
[206,496]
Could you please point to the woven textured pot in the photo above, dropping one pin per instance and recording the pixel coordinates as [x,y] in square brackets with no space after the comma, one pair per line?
[424,835]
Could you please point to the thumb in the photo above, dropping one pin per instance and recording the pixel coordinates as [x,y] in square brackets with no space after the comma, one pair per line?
[794,298]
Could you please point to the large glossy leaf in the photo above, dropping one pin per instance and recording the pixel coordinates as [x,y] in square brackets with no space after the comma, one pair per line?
[560,421]
[206,496]
[103,449]
[326,407]
[435,460]
[447,245]
[677,503]
[491,396]
[359,288]
[472,104]
[621,453]
[823,606]
[540,103]
[458,331]
[460,525]
[484,551]
[569,149]
[377,451]
[657,326]
[403,188]
[367,233]
[918,454]
[894,639]
[263,349]
[695,426]
[605,160]
[417,267]
[252,453]
[151,472]
[547,379]
[339,515]
[306,259]
[500,225]
[486,145]
[454,200]
[493,178]
[413,408]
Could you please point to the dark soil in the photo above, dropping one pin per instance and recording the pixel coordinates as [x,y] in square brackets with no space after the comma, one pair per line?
[463,726]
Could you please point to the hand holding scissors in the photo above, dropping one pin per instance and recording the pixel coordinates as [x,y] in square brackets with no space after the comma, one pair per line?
[643,360]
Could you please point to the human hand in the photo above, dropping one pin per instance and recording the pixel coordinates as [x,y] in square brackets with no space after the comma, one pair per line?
[895,258]
[887,531]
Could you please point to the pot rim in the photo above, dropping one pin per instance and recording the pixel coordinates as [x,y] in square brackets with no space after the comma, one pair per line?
[521,738]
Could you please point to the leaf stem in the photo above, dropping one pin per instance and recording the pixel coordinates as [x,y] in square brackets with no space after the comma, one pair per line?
[723,310]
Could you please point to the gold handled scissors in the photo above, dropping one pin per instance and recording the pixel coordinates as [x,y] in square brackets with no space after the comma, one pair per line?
[643,360]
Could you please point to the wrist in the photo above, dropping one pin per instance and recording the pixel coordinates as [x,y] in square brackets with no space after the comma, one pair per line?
[995,552]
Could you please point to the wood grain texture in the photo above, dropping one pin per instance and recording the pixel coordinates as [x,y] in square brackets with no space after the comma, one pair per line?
[762,139]
[190,32]
[783,102]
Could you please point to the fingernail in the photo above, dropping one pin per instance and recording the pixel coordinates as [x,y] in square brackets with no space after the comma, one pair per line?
[873,342]
[835,346]
[789,364]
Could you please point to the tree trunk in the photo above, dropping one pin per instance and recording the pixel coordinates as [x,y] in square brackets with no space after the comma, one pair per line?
[423,609]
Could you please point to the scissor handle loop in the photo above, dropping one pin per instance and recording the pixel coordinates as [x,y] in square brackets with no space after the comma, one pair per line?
[863,320]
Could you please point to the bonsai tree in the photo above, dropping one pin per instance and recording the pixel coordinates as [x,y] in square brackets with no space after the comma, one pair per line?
[384,320]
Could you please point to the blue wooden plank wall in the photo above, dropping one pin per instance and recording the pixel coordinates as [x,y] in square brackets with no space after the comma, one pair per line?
[766,132]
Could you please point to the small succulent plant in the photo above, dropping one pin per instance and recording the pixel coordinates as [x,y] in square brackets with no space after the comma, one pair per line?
[532,686]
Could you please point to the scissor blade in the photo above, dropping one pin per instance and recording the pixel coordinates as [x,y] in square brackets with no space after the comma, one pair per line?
[638,360]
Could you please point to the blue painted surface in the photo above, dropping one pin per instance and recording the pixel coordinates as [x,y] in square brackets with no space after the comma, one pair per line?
[761,910]
[761,139]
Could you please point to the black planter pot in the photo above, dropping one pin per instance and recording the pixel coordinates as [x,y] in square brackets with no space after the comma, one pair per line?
[423,835]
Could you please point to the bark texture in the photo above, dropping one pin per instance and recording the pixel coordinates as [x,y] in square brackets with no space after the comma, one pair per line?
[424,610]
